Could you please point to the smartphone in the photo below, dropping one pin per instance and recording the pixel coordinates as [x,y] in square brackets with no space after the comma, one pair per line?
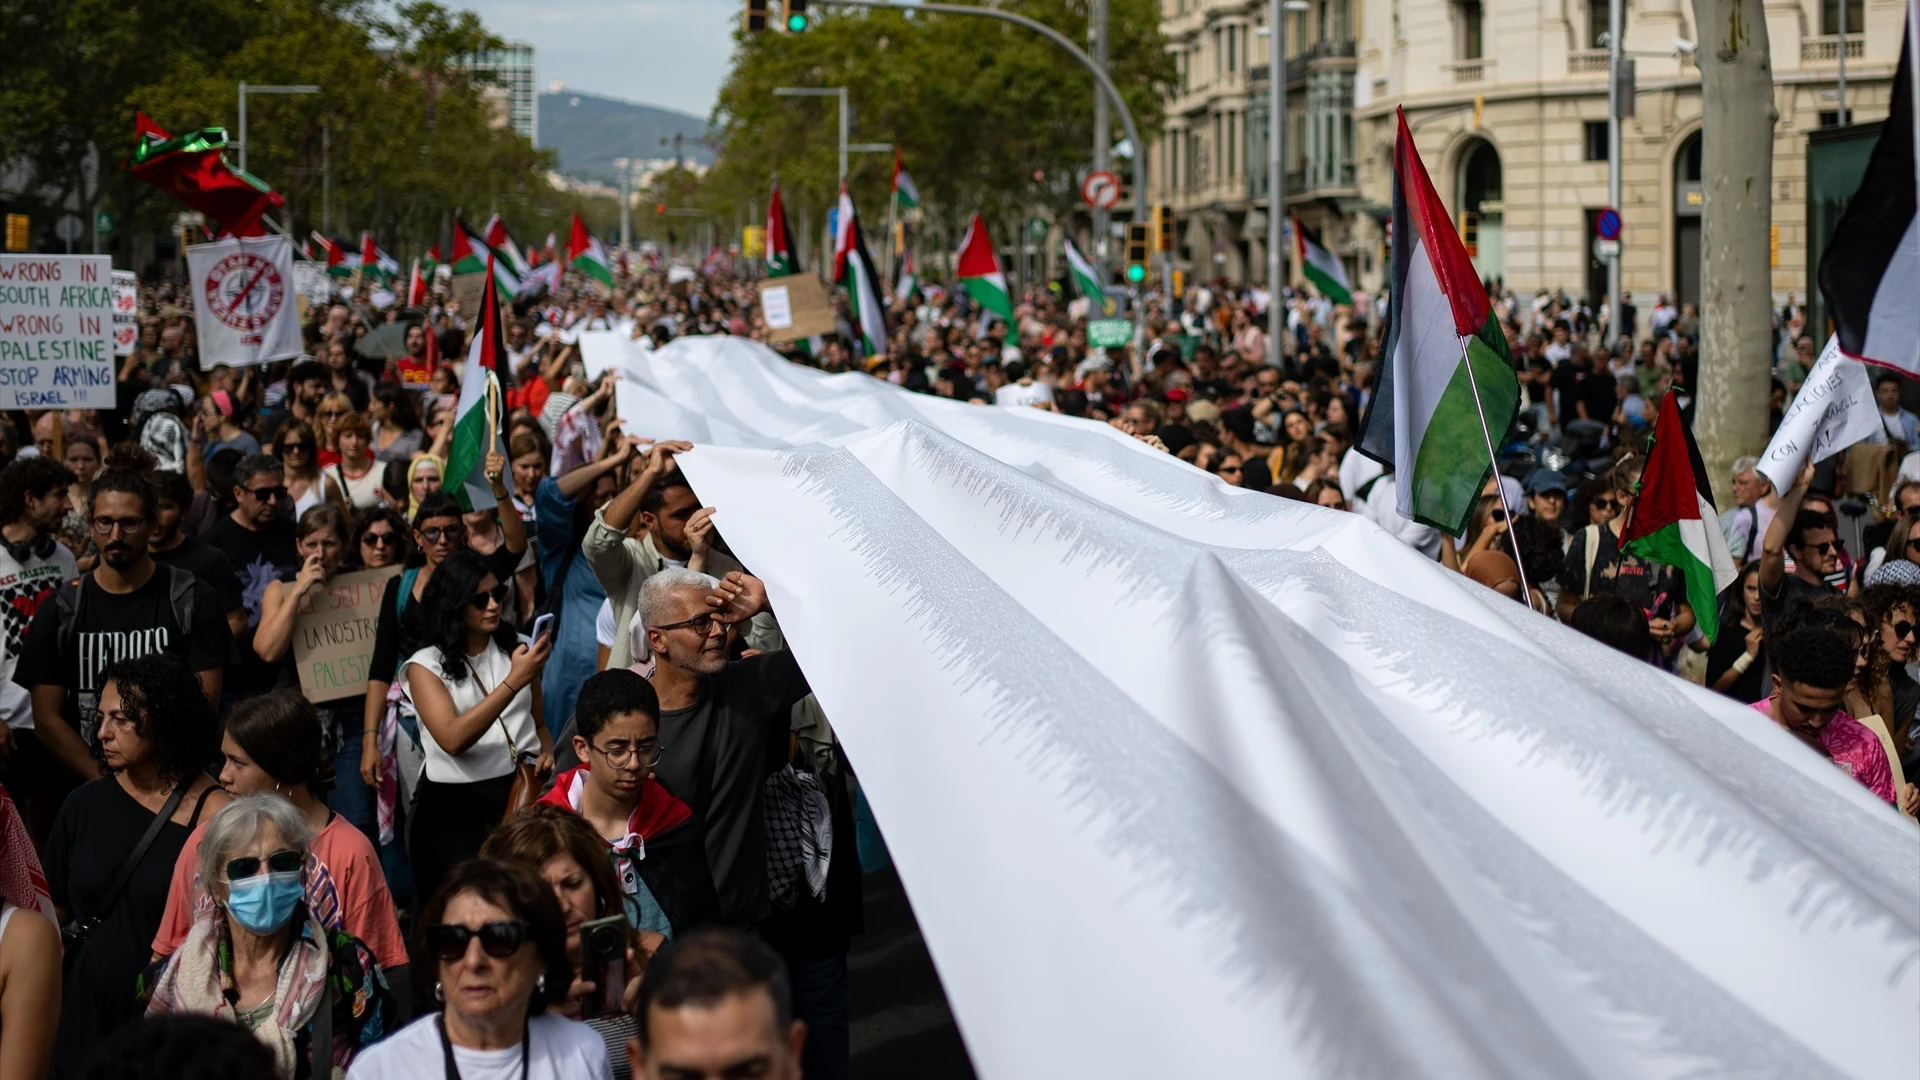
[541,625]
[603,962]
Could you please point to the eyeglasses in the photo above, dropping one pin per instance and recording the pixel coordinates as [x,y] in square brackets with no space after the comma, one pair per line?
[268,494]
[500,939]
[453,533]
[104,526]
[699,624]
[280,862]
[620,755]
[496,595]
[1902,629]
[384,538]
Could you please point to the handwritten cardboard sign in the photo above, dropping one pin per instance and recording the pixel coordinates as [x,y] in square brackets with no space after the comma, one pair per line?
[333,635]
[796,306]
[56,332]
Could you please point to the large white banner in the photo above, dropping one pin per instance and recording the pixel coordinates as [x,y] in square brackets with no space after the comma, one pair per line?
[1186,780]
[1833,410]
[56,332]
[243,300]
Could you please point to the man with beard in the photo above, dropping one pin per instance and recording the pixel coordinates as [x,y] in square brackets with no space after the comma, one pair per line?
[128,606]
[33,501]
[259,543]
[306,385]
[171,546]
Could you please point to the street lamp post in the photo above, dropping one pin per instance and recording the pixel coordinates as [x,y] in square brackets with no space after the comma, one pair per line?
[1277,170]
[245,89]
[824,91]
[881,148]
[1615,107]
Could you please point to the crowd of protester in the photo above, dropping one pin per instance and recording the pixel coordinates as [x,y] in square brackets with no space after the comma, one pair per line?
[586,818]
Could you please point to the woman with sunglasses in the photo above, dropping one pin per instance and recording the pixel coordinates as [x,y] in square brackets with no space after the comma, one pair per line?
[273,744]
[355,478]
[477,692]
[298,452]
[397,434]
[157,735]
[333,407]
[379,539]
[259,955]
[496,942]
[1885,688]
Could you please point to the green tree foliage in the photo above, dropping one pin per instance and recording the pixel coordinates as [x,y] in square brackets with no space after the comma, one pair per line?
[403,132]
[991,117]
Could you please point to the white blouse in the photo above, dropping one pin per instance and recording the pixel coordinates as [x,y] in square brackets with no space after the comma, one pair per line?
[487,758]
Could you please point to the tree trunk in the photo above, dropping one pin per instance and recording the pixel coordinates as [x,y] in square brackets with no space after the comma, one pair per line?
[1736,77]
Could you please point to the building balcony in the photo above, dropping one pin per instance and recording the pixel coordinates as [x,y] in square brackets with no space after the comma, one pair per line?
[1466,72]
[1312,56]
[1587,62]
[1826,50]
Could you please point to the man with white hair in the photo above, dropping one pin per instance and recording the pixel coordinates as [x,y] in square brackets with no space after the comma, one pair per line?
[1754,504]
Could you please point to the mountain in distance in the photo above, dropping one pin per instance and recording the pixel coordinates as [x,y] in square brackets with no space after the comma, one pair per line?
[589,131]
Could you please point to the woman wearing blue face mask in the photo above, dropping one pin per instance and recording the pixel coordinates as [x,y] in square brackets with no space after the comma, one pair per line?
[260,958]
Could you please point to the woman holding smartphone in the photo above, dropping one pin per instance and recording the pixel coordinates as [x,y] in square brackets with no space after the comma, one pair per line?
[476,689]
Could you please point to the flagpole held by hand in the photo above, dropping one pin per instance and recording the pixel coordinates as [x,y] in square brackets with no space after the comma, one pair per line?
[1480,410]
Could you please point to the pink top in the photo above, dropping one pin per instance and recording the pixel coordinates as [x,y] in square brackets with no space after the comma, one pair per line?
[1855,748]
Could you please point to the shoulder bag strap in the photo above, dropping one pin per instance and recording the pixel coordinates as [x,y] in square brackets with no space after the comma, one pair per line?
[1593,549]
[120,880]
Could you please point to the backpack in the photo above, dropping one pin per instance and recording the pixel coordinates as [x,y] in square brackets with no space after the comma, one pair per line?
[66,601]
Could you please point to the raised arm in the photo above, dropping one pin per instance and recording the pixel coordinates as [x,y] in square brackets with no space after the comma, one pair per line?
[1773,547]
[659,460]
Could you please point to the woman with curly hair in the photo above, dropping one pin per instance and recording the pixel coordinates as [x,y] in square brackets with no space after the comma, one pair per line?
[1889,645]
[157,736]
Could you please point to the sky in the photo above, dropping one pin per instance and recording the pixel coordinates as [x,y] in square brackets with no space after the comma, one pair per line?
[670,53]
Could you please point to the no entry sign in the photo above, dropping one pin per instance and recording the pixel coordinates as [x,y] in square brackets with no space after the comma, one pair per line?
[1101,190]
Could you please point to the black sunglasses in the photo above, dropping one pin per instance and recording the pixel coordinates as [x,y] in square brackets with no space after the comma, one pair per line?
[380,539]
[1823,547]
[268,494]
[453,533]
[497,595]
[280,862]
[501,939]
[1902,629]
[297,447]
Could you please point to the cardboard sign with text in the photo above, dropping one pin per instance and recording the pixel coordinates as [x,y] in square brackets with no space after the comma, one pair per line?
[56,332]
[470,290]
[333,635]
[796,307]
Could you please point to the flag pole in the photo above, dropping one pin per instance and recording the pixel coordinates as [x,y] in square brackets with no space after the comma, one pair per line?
[1493,459]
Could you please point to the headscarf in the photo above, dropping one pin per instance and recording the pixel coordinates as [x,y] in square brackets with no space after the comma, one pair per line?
[198,977]
[22,881]
[413,504]
[165,437]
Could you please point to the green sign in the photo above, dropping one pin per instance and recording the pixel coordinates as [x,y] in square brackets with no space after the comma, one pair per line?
[1037,228]
[103,221]
[1109,333]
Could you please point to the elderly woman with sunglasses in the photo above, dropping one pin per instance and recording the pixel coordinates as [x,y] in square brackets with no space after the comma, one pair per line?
[495,941]
[477,692]
[260,957]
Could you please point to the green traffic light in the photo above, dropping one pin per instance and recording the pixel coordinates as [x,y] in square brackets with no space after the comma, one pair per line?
[796,23]
[1136,273]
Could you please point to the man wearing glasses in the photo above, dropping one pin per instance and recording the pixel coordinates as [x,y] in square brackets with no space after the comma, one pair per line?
[258,539]
[1810,537]
[128,606]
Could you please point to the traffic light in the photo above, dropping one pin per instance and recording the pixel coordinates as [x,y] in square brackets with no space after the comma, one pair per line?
[1163,228]
[756,16]
[797,19]
[1138,236]
[17,237]
[1470,233]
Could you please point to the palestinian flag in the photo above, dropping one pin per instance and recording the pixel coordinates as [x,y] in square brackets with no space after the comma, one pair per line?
[433,261]
[376,263]
[193,169]
[979,272]
[1870,274]
[1086,278]
[1432,415]
[416,287]
[1673,520]
[586,255]
[306,250]
[905,195]
[905,278]
[544,277]
[466,478]
[472,256]
[340,263]
[781,258]
[1319,264]
[501,244]
[853,269]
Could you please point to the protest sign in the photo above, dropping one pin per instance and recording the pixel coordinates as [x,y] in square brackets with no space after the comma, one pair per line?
[470,290]
[1834,410]
[126,312]
[1108,333]
[243,303]
[333,634]
[56,332]
[796,307]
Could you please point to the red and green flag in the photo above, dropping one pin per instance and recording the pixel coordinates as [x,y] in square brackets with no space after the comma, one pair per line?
[471,255]
[193,169]
[980,274]
[478,413]
[1447,388]
[1673,519]
[341,261]
[375,262]
[586,255]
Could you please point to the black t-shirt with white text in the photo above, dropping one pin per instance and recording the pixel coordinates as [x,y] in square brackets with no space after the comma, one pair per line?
[108,627]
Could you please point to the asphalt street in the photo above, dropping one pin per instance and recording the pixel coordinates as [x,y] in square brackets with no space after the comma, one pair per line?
[901,1023]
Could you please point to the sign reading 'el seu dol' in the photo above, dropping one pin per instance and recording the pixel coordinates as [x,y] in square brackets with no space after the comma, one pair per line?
[333,634]
[56,332]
